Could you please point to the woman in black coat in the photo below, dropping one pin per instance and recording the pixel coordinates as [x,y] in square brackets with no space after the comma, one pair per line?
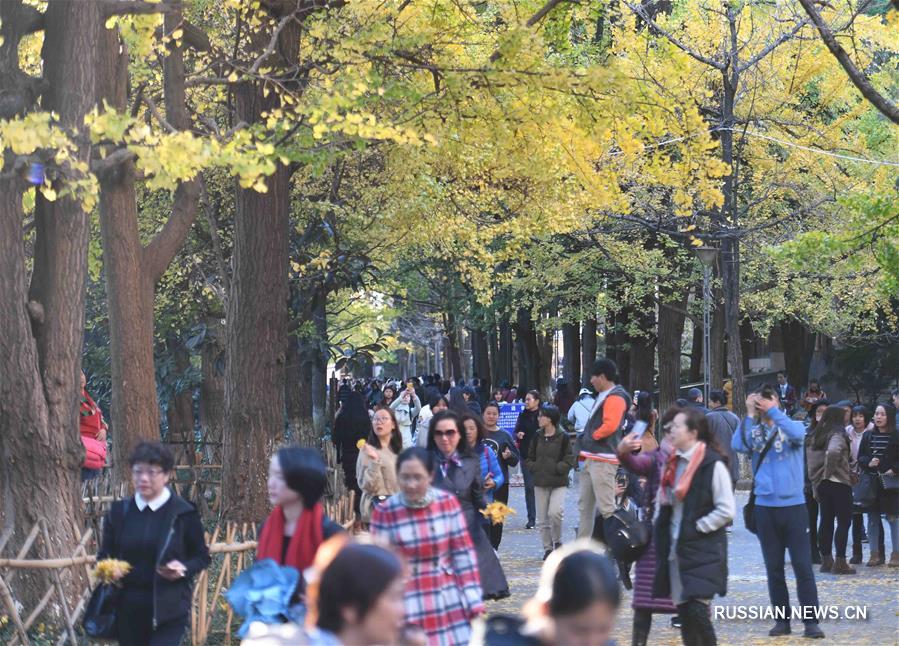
[459,472]
[160,535]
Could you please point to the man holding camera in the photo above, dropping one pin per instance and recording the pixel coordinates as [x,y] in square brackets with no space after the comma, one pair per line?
[774,443]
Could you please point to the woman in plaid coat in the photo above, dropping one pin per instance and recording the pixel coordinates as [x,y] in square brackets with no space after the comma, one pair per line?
[443,592]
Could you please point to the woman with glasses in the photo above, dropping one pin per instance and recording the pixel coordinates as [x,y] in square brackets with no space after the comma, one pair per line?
[160,535]
[459,472]
[426,524]
[376,467]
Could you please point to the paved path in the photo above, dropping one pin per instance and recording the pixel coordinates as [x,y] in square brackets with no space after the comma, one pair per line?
[875,588]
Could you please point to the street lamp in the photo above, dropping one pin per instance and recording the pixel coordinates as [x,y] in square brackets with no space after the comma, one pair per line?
[707,256]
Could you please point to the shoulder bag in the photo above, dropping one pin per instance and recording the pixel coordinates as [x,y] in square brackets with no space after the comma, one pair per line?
[99,619]
[749,507]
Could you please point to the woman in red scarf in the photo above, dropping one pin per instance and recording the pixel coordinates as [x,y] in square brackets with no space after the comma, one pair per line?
[695,505]
[297,526]
[93,429]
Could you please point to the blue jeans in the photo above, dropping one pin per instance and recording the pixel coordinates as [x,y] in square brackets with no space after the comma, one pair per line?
[529,500]
[786,528]
[874,536]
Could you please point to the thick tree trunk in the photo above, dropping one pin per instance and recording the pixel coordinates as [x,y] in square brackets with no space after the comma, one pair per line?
[257,307]
[671,329]
[131,270]
[588,349]
[42,330]
[571,344]
[799,346]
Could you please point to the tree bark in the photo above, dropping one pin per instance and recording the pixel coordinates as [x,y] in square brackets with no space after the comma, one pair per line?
[319,364]
[257,316]
[799,346]
[132,270]
[481,358]
[571,344]
[452,341]
[212,390]
[588,349]
[696,357]
[530,361]
[504,362]
[671,329]
[43,329]
[718,361]
[642,350]
[180,410]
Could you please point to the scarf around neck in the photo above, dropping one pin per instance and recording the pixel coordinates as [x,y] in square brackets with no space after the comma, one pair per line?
[307,536]
[683,485]
[426,500]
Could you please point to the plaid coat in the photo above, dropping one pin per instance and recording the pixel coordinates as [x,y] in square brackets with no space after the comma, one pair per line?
[443,593]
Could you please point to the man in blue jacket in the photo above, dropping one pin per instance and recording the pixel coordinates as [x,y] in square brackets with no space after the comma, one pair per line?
[780,515]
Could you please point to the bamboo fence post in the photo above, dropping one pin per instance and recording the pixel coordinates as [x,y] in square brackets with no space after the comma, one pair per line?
[10,604]
[57,581]
[26,547]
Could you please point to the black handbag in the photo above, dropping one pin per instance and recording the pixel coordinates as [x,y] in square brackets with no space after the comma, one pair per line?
[890,483]
[749,507]
[99,619]
[626,535]
[864,493]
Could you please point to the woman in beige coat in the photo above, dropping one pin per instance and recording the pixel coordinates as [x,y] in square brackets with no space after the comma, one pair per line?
[376,465]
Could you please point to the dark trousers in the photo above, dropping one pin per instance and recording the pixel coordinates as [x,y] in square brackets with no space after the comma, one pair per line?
[529,493]
[696,624]
[811,507]
[858,531]
[134,622]
[835,500]
[496,531]
[786,528]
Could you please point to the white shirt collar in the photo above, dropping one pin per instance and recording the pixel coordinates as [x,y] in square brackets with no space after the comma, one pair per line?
[688,453]
[154,504]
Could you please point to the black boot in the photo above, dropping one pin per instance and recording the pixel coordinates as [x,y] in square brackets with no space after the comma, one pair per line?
[642,625]
[857,556]
[624,571]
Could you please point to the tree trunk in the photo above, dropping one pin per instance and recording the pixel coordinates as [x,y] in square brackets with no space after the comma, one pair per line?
[43,329]
[132,270]
[257,312]
[588,350]
[696,357]
[212,390]
[452,343]
[718,361]
[643,350]
[799,346]
[480,358]
[671,330]
[530,361]
[504,371]
[571,344]
[180,410]
[319,364]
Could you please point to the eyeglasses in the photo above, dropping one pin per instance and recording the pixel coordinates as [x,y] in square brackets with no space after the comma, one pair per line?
[137,472]
[446,434]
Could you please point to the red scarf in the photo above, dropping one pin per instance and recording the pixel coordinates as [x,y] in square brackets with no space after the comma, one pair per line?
[307,536]
[683,485]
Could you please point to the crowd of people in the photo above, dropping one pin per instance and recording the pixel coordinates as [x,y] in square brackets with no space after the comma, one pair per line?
[424,475]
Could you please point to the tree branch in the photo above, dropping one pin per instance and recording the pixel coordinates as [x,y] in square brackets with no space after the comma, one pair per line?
[858,78]
[674,40]
[774,45]
[159,252]
[533,20]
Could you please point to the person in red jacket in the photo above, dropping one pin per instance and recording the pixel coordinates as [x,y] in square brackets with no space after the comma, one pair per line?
[93,434]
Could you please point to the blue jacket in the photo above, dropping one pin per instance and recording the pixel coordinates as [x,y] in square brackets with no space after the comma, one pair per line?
[779,480]
[490,464]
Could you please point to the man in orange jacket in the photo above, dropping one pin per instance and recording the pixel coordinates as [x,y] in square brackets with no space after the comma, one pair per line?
[598,445]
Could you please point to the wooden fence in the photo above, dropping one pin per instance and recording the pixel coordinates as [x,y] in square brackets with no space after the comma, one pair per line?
[232,547]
